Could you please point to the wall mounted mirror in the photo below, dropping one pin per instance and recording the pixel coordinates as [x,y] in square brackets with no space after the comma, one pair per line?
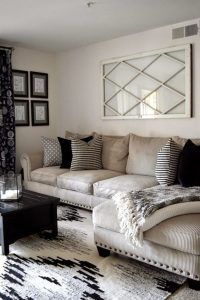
[156,84]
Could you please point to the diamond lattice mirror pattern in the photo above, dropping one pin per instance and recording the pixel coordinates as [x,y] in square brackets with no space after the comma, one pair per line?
[154,84]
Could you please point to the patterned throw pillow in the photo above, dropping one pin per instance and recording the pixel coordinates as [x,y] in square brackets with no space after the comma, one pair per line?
[86,156]
[167,163]
[52,152]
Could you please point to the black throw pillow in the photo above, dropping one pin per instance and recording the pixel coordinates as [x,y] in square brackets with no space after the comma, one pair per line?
[66,151]
[189,165]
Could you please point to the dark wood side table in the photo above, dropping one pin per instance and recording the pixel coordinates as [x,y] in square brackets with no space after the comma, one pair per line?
[32,213]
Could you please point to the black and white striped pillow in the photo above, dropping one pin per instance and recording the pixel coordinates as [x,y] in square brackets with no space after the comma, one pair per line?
[86,156]
[167,163]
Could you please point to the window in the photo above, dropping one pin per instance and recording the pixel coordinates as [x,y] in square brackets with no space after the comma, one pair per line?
[156,84]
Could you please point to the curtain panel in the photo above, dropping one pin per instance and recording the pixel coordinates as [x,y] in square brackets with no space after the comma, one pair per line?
[7,115]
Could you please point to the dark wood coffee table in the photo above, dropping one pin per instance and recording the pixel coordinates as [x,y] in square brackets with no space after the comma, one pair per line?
[32,213]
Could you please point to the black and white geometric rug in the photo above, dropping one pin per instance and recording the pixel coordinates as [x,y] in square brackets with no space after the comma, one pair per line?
[69,267]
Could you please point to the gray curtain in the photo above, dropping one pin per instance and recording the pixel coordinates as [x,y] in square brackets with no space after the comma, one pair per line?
[7,115]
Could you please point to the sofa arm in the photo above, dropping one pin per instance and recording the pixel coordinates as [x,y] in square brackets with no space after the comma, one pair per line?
[30,162]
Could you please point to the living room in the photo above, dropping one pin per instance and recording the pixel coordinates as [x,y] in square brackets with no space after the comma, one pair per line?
[69,45]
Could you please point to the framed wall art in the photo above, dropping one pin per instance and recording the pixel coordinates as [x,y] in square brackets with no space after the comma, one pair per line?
[39,85]
[20,83]
[155,84]
[21,112]
[39,113]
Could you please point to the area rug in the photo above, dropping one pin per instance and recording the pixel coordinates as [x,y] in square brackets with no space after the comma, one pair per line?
[69,267]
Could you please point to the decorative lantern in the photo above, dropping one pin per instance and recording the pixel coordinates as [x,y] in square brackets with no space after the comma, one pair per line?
[10,187]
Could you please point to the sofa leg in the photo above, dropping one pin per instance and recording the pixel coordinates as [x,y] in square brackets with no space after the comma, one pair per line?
[194,284]
[103,252]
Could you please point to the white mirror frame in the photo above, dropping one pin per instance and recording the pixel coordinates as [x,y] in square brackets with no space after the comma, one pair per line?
[185,97]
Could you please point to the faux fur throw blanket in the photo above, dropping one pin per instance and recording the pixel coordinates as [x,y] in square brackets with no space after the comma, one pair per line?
[135,207]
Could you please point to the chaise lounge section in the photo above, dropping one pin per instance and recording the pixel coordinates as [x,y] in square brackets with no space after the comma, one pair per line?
[172,244]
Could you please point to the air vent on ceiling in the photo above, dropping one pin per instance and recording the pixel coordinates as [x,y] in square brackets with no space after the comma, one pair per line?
[185,31]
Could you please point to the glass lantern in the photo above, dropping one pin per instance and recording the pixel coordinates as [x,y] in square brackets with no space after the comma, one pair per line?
[10,187]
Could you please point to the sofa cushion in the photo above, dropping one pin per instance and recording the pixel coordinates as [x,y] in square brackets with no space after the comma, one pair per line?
[180,232]
[115,153]
[106,188]
[143,154]
[182,141]
[82,181]
[71,135]
[47,175]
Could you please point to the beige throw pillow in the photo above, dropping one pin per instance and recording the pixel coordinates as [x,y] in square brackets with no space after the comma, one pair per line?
[115,153]
[143,154]
[181,141]
[71,135]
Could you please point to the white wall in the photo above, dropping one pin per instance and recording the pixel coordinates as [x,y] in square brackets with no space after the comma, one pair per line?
[79,85]
[76,103]
[28,138]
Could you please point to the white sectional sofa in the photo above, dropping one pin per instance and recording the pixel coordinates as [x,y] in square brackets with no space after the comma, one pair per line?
[128,165]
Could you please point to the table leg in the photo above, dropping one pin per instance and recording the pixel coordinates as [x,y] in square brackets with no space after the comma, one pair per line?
[54,221]
[4,245]
[55,231]
[5,248]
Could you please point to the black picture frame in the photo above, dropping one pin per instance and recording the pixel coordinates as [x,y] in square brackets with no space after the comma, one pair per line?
[21,112]
[1,115]
[39,84]
[20,83]
[39,113]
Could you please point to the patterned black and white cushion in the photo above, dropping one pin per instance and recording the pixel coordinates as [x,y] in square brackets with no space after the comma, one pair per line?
[86,156]
[167,163]
[52,152]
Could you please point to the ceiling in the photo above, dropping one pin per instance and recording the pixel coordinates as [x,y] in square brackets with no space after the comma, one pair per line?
[59,25]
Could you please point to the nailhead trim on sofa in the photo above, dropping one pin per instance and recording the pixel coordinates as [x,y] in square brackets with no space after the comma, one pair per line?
[140,258]
[76,204]
[149,261]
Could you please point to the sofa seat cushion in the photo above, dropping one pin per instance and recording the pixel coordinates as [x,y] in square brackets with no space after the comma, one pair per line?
[82,181]
[47,175]
[180,232]
[108,187]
